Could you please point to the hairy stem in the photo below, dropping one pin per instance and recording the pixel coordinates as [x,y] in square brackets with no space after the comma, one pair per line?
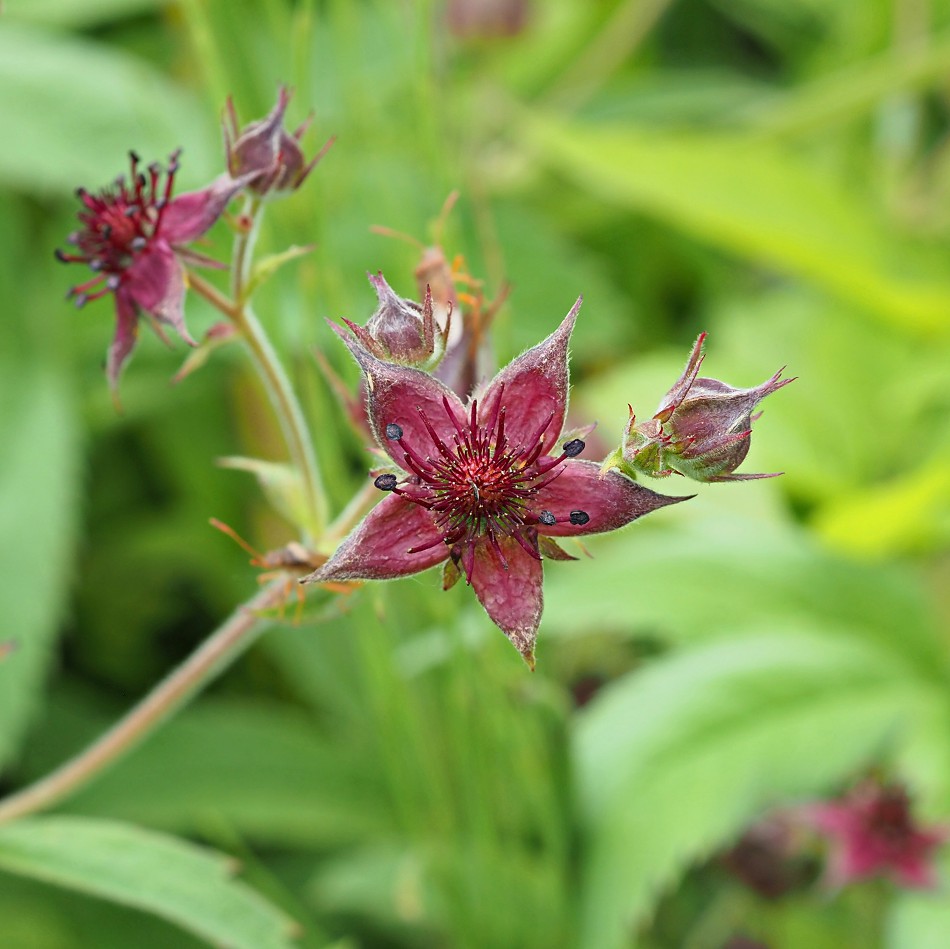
[278,385]
[228,642]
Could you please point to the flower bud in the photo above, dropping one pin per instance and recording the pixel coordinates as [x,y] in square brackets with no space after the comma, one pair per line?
[265,149]
[401,331]
[701,430]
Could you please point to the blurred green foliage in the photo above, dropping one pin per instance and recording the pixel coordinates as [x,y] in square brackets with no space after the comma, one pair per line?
[388,773]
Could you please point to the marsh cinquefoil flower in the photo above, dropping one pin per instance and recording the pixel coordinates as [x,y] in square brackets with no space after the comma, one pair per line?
[483,487]
[702,428]
[873,833]
[132,237]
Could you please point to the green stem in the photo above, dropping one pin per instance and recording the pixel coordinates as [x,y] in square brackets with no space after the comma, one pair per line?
[282,396]
[224,645]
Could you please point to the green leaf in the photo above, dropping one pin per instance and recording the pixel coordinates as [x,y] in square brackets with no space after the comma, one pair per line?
[919,920]
[673,760]
[98,101]
[72,14]
[713,571]
[39,491]
[755,199]
[266,771]
[178,881]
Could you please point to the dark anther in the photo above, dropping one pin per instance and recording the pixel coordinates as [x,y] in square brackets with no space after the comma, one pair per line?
[573,448]
[393,431]
[60,256]
[81,300]
[579,517]
[547,518]
[95,264]
[106,231]
[134,156]
[130,211]
[386,482]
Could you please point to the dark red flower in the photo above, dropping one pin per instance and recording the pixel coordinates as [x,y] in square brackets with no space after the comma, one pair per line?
[702,428]
[872,832]
[132,237]
[482,486]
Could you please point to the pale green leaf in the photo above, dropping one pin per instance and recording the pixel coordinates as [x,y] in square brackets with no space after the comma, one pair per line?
[711,571]
[673,760]
[59,92]
[38,506]
[74,14]
[919,920]
[266,771]
[178,881]
[754,199]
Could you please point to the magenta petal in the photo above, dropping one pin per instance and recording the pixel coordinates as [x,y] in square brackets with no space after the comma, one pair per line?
[156,282]
[512,597]
[378,547]
[609,501]
[398,395]
[189,215]
[126,333]
[535,387]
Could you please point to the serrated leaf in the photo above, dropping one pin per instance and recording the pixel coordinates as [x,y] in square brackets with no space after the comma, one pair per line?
[38,513]
[755,199]
[178,881]
[673,760]
[57,89]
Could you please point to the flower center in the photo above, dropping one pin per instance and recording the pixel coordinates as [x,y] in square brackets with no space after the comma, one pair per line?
[480,484]
[118,223]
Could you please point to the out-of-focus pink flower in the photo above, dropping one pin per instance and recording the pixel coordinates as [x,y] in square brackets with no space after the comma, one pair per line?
[701,430]
[482,487]
[872,832]
[132,237]
[266,152]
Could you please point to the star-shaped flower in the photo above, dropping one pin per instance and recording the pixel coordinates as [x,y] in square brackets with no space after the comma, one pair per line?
[483,486]
[132,237]
[872,832]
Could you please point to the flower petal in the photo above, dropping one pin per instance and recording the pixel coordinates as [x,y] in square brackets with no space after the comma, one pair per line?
[399,395]
[609,501]
[189,215]
[512,597]
[126,333]
[156,282]
[378,547]
[535,387]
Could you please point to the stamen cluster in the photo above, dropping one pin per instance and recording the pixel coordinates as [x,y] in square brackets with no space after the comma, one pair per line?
[119,223]
[480,485]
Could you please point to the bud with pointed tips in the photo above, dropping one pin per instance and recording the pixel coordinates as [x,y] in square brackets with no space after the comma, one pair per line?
[266,151]
[702,428]
[400,330]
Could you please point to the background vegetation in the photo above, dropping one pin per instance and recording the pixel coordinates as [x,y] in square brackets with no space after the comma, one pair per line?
[389,773]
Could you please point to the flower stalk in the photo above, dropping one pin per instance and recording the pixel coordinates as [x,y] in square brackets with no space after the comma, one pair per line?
[216,654]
